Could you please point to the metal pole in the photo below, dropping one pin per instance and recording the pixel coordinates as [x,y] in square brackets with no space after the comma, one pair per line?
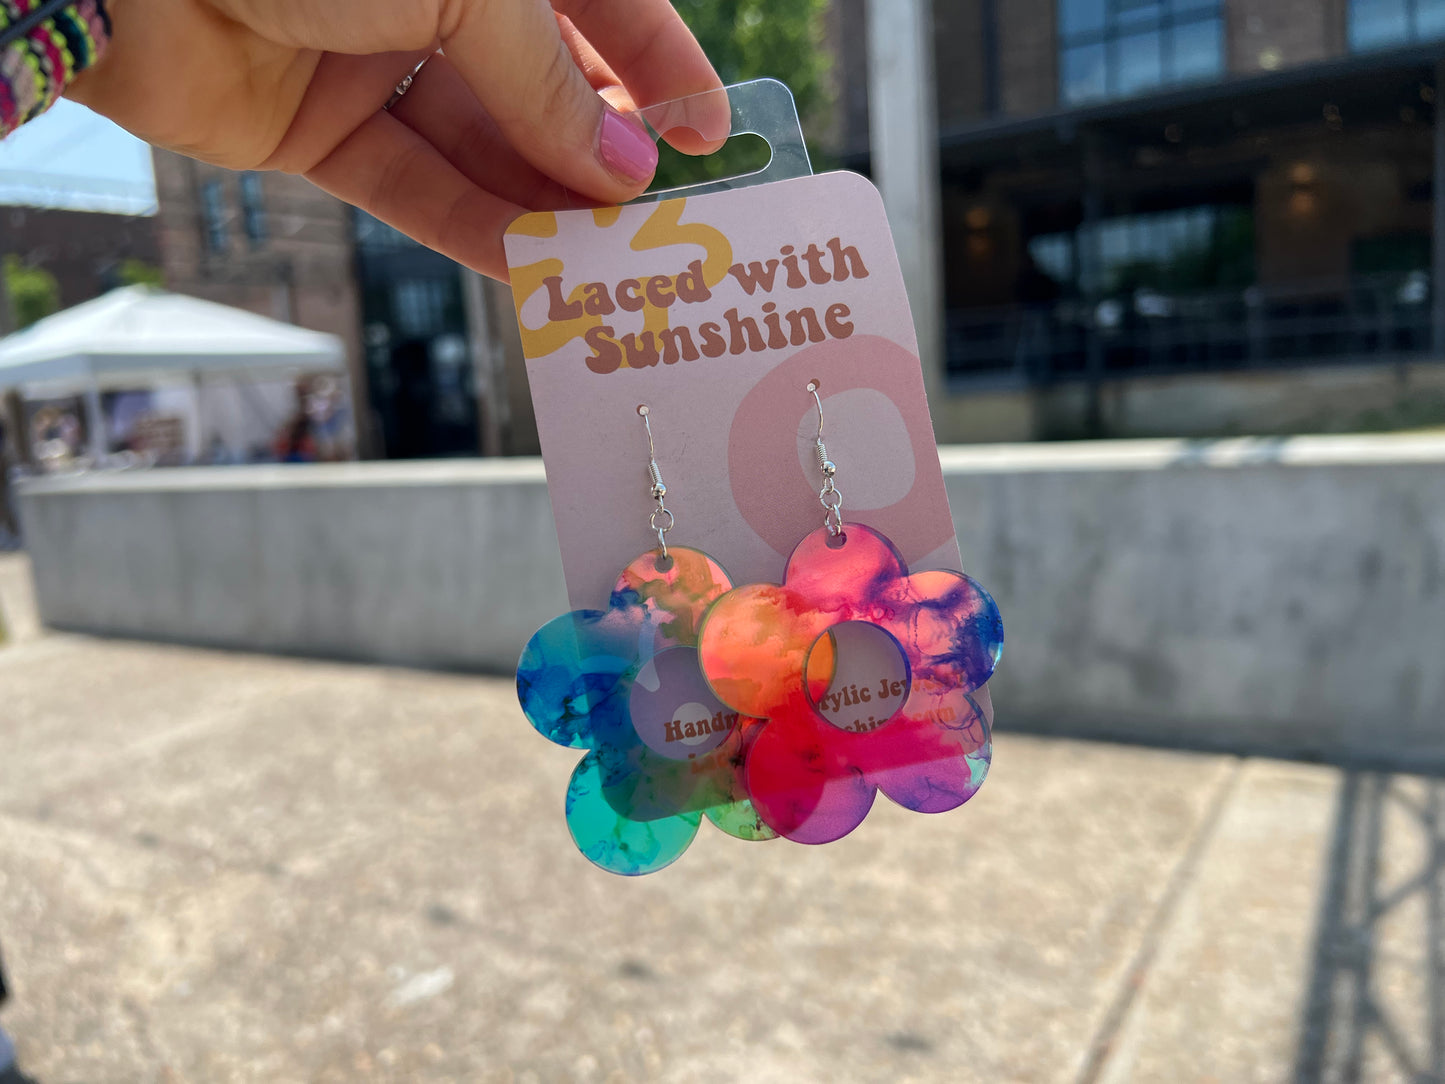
[487,376]
[992,96]
[903,133]
[1091,273]
[12,411]
[95,423]
[202,448]
[1437,274]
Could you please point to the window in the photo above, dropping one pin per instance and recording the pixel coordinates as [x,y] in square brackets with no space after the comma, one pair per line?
[253,209]
[1118,48]
[213,216]
[1190,249]
[420,306]
[1375,24]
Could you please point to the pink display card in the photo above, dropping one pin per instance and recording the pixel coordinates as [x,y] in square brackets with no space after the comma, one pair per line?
[716,311]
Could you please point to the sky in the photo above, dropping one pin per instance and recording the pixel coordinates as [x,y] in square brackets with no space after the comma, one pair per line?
[73,158]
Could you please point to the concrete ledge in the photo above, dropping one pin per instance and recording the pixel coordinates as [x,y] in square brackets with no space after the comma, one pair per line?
[434,564]
[1283,595]
[1165,454]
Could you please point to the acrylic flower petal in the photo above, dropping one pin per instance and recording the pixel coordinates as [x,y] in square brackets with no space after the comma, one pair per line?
[615,842]
[676,596]
[932,764]
[741,820]
[953,625]
[756,640]
[803,781]
[842,578]
[571,675]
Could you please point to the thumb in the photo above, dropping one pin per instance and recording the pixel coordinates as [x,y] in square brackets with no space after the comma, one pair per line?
[512,55]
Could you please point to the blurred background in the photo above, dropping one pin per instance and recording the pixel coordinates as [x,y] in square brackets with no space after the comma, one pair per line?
[1176,268]
[1192,217]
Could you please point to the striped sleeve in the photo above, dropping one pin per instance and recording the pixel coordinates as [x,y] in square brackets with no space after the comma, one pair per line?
[44,44]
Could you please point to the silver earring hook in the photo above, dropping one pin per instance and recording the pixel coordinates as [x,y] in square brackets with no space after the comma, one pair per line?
[829,496]
[661,519]
[651,451]
[824,464]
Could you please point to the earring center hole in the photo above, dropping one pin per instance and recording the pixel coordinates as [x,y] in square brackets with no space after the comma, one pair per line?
[857,676]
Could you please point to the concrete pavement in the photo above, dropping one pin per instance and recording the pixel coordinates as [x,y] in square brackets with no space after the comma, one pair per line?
[222,867]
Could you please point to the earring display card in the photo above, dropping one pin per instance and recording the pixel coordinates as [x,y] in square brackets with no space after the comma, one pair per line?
[716,310]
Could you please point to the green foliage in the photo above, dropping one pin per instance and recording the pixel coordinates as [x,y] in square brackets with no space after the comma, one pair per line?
[133,272]
[754,39]
[34,292]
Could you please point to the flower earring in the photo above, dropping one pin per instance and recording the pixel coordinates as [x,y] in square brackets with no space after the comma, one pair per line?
[760,649]
[624,684]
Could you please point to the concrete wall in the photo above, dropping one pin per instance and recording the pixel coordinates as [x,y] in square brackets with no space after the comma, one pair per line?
[1284,595]
[1278,595]
[433,564]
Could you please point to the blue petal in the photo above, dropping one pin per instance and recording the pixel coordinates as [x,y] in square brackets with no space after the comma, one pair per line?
[573,677]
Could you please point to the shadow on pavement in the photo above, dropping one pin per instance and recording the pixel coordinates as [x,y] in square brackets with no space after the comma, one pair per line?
[1374,1005]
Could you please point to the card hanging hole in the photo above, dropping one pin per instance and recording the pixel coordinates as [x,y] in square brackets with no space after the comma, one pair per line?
[742,156]
[752,126]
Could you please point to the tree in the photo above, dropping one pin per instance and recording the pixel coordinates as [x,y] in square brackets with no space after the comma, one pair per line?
[33,292]
[754,39]
[134,272]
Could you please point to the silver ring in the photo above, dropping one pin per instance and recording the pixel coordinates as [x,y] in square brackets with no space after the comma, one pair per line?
[404,85]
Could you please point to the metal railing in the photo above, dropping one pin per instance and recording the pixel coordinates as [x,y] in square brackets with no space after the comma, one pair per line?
[1379,317]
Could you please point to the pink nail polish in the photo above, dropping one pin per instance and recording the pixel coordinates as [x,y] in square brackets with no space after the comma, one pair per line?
[625,148]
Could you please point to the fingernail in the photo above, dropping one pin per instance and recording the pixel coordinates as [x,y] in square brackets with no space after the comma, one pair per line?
[625,148]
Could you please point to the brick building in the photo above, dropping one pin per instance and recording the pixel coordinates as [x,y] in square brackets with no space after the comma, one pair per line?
[426,351]
[269,243]
[434,363]
[1184,216]
[84,250]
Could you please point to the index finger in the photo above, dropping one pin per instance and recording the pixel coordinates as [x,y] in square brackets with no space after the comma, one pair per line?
[657,59]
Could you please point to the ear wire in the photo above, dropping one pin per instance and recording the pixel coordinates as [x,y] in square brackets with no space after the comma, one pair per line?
[661,519]
[829,496]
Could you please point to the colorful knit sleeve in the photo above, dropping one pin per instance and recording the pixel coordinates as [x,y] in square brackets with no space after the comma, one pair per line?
[44,44]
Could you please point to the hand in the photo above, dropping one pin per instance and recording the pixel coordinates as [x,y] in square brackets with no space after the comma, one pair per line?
[521,113]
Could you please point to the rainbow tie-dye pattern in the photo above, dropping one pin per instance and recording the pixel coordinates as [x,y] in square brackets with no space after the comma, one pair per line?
[808,780]
[600,679]
[751,664]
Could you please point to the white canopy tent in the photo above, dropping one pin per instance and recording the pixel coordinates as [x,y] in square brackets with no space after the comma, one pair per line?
[138,335]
